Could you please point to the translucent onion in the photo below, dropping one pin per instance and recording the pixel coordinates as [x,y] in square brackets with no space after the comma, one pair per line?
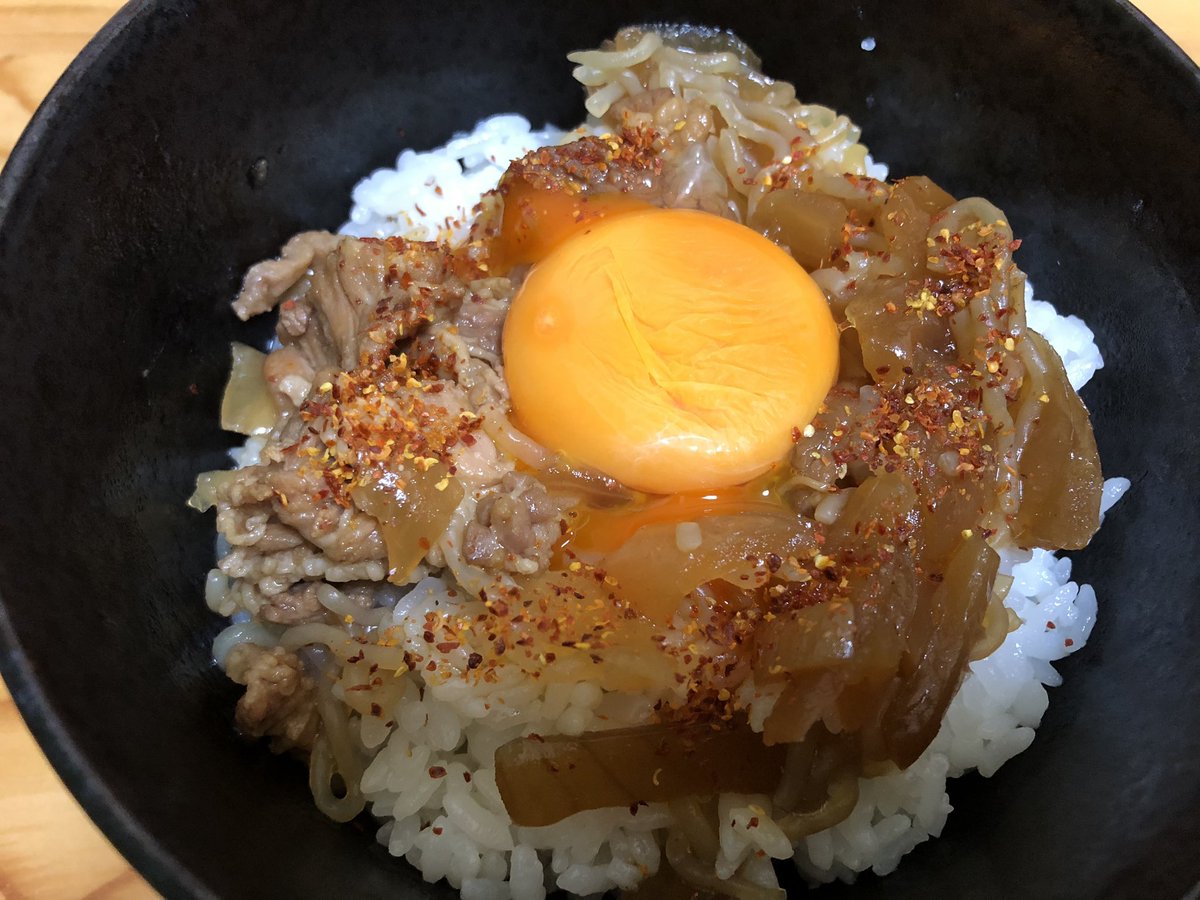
[413,509]
[334,753]
[563,477]
[626,659]
[247,407]
[386,657]
[509,439]
[806,224]
[1060,481]
[545,780]
[243,633]
[204,497]
[996,621]
[322,767]
[938,650]
[700,875]
[330,636]
[843,796]
[696,820]
[655,574]
[369,690]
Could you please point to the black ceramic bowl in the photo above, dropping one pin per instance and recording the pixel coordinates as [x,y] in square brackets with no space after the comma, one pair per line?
[191,138]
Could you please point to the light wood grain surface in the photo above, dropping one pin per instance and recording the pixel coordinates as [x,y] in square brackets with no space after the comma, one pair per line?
[48,847]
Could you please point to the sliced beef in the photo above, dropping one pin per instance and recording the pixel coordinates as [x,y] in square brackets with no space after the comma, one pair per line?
[268,282]
[295,606]
[284,528]
[480,318]
[344,534]
[341,297]
[515,527]
[293,493]
[273,573]
[280,700]
[301,603]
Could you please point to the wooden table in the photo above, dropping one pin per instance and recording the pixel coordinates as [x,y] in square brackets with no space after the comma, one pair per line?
[48,846]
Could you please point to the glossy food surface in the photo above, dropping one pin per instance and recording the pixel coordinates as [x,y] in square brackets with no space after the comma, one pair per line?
[1080,137]
[716,346]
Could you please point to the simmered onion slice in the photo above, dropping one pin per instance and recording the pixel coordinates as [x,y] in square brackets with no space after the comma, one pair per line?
[544,780]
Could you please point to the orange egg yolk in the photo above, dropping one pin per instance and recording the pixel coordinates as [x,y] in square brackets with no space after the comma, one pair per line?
[673,350]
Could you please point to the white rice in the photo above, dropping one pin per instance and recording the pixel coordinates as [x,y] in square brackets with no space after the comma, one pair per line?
[455,826]
[430,196]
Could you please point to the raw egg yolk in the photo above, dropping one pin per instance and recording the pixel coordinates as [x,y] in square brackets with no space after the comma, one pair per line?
[673,350]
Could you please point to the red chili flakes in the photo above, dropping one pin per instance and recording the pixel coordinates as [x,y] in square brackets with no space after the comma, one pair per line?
[437,772]
[588,161]
[375,420]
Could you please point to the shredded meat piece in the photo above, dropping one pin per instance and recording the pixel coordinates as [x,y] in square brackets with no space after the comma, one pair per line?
[278,537]
[251,526]
[301,603]
[349,305]
[270,281]
[284,529]
[294,606]
[294,491]
[660,126]
[280,700]
[479,322]
[339,297]
[483,384]
[515,526]
[345,535]
[273,573]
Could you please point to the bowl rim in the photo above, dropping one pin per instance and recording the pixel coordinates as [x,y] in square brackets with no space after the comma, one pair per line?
[1164,41]
[139,847]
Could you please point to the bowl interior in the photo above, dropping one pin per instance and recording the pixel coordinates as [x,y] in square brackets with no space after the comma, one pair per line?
[137,199]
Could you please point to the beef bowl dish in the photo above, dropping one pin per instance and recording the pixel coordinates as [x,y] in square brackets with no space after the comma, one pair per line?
[638,451]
